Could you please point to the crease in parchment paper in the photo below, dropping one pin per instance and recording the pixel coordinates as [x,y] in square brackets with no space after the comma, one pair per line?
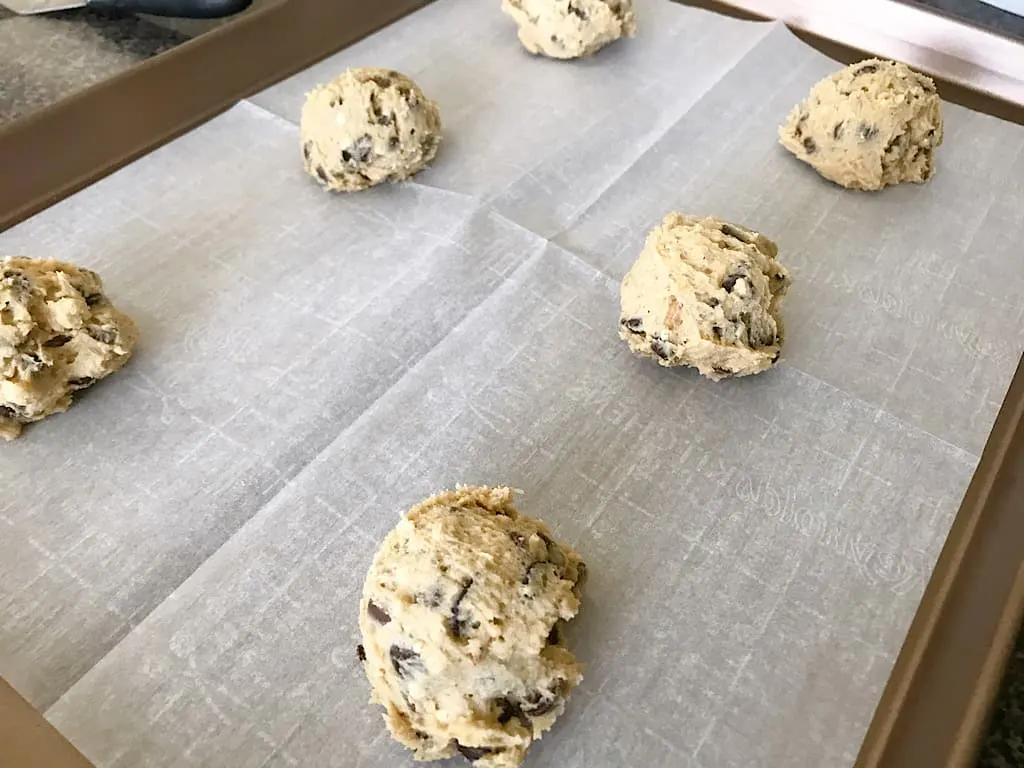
[593,468]
[200,524]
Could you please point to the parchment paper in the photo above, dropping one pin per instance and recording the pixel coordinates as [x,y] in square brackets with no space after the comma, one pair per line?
[183,550]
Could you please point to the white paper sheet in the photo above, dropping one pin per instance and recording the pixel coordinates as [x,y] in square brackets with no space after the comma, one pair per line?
[183,550]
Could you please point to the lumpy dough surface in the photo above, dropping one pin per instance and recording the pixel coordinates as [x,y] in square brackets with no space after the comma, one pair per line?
[366,127]
[58,333]
[570,29]
[870,125]
[705,293]
[461,621]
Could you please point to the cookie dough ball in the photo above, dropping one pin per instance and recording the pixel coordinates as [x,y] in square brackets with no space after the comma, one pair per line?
[868,126]
[570,29]
[366,127]
[58,333]
[705,293]
[461,621]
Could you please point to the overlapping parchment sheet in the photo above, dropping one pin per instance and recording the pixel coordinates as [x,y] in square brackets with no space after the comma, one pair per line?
[182,568]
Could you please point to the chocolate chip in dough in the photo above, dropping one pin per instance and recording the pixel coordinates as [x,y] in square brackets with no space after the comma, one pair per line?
[866,132]
[508,709]
[634,324]
[474,753]
[554,636]
[377,613]
[809,146]
[57,341]
[102,334]
[867,69]
[431,599]
[837,131]
[661,349]
[405,661]
[537,704]
[360,150]
[459,625]
[729,283]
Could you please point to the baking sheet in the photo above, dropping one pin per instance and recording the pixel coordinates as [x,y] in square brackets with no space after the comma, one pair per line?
[314,365]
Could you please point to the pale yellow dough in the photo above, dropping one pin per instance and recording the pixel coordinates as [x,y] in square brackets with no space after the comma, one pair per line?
[571,29]
[461,622]
[705,293]
[366,127]
[868,126]
[58,333]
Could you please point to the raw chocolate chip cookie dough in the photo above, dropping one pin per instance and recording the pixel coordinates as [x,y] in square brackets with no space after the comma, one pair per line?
[570,29]
[705,293]
[873,124]
[366,127]
[461,622]
[58,333]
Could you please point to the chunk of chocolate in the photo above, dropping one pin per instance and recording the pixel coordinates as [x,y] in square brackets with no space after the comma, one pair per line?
[509,709]
[405,661]
[458,622]
[810,147]
[474,753]
[359,151]
[730,282]
[867,69]
[634,324]
[554,636]
[377,613]
[866,132]
[661,349]
[361,652]
[102,334]
[431,598]
[537,703]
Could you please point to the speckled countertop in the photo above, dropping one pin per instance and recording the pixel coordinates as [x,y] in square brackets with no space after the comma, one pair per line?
[48,57]
[1004,744]
[44,59]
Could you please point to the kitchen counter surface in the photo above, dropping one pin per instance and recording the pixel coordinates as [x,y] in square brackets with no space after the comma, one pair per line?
[46,58]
